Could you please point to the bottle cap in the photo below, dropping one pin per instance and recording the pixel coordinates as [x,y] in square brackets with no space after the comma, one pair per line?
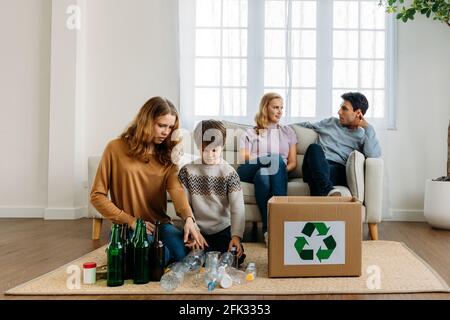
[89,265]
[211,285]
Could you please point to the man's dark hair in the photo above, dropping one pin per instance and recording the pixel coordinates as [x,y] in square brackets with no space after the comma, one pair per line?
[216,134]
[358,101]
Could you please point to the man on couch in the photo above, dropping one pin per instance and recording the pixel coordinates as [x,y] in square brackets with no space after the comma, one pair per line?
[325,161]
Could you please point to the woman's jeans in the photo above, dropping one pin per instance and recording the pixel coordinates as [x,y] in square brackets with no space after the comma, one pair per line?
[321,174]
[172,238]
[270,177]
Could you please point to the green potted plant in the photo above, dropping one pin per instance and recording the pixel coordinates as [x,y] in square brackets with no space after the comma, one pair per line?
[437,9]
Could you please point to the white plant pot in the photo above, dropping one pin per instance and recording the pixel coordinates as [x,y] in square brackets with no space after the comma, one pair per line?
[437,204]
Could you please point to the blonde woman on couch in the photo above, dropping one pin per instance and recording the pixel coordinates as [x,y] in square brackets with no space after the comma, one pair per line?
[136,169]
[269,153]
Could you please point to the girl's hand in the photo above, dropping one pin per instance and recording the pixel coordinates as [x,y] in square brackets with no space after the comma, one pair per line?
[148,225]
[192,236]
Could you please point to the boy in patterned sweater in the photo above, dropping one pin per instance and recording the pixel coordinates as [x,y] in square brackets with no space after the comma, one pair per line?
[214,191]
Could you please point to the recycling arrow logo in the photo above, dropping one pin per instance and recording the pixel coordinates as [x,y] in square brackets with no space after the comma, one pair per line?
[323,253]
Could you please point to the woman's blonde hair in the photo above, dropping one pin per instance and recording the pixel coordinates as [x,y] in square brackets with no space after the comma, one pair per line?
[139,135]
[261,117]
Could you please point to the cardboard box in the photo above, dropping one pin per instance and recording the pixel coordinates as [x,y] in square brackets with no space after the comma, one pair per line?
[314,236]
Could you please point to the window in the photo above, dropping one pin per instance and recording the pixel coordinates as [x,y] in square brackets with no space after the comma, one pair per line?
[311,52]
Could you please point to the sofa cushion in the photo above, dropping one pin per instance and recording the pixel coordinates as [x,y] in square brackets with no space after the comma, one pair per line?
[355,174]
[296,187]
[297,172]
[305,137]
[234,134]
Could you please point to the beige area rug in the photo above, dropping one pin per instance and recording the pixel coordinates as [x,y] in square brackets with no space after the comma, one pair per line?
[402,271]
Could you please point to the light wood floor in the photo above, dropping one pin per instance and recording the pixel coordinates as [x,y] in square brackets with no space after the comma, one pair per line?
[32,247]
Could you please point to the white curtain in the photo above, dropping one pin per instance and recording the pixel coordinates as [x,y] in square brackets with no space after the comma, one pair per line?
[311,52]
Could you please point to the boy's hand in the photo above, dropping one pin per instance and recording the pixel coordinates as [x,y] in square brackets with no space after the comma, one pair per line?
[236,242]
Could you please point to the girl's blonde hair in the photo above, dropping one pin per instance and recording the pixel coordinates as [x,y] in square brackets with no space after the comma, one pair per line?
[261,117]
[139,135]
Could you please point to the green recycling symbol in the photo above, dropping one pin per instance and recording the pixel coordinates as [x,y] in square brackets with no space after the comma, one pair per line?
[301,242]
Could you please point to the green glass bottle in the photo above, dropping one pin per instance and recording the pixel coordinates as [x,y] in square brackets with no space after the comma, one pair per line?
[141,248]
[127,253]
[157,256]
[115,259]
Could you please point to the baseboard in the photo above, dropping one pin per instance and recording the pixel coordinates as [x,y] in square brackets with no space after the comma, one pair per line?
[406,215]
[22,212]
[65,213]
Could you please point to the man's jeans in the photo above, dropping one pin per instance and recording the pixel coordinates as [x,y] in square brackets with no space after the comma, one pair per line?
[172,238]
[321,174]
[270,177]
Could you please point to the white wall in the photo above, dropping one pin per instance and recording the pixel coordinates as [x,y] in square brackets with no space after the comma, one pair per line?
[417,150]
[130,55]
[24,105]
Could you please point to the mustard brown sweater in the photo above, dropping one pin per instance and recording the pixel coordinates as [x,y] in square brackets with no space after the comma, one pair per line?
[137,189]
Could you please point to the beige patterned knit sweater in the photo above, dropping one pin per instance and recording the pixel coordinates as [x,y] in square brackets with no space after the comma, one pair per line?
[215,195]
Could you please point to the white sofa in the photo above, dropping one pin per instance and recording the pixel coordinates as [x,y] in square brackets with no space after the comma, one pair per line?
[365,175]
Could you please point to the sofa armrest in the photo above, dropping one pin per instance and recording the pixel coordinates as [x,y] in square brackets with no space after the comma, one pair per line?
[92,171]
[354,170]
[373,195]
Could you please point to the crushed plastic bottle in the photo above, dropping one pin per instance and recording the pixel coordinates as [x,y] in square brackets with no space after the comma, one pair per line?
[174,277]
[238,276]
[226,259]
[225,280]
[195,259]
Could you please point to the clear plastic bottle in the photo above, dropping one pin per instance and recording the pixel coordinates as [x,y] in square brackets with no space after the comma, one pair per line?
[195,259]
[211,275]
[174,277]
[250,272]
[238,276]
[211,278]
[226,259]
[225,280]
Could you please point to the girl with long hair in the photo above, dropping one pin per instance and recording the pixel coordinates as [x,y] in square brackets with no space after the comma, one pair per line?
[137,171]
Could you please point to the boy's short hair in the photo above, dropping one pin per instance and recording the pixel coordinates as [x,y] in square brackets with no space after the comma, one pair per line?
[210,133]
[358,101]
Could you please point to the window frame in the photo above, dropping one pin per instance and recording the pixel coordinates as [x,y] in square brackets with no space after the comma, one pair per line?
[255,65]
